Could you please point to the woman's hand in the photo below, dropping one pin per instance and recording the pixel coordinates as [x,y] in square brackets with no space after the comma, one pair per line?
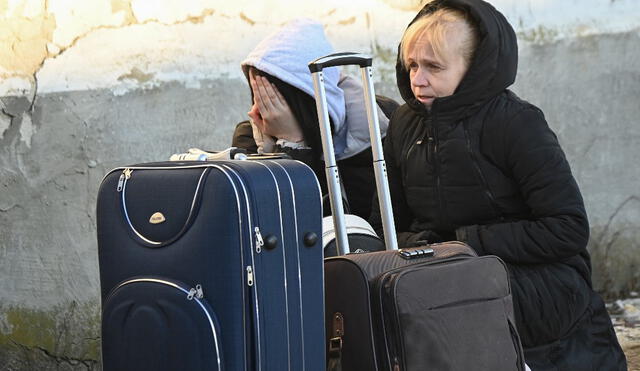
[270,111]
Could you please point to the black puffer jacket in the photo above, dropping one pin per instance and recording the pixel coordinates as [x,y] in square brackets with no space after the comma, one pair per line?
[484,167]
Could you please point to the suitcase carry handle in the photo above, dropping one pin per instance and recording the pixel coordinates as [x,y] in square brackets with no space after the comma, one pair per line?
[331,169]
[340,59]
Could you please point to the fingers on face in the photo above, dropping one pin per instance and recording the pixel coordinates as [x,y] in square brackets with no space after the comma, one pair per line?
[267,97]
[279,98]
[260,95]
[269,93]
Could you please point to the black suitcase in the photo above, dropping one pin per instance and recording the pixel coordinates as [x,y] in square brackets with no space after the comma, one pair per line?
[435,307]
[438,307]
[211,266]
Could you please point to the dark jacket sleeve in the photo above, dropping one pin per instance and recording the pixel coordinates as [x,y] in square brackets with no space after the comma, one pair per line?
[387,105]
[243,137]
[402,215]
[557,227]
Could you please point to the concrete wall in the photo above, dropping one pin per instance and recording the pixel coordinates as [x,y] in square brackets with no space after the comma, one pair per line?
[86,86]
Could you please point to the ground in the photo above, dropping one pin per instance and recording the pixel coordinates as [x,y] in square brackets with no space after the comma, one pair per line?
[626,319]
[629,338]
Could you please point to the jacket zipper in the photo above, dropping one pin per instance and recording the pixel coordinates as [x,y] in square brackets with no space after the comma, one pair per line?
[433,143]
[474,160]
[413,145]
[430,143]
[423,137]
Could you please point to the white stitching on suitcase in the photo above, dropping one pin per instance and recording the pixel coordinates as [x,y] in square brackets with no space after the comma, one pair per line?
[244,315]
[255,281]
[126,213]
[295,218]
[284,260]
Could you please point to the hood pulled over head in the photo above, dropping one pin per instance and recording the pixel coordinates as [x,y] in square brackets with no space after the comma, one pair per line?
[286,53]
[492,69]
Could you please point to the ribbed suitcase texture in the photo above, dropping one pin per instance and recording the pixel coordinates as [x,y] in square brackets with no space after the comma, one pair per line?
[211,266]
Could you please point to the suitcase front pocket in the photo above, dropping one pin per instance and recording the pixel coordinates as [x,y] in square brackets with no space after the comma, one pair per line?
[470,335]
[152,323]
[159,205]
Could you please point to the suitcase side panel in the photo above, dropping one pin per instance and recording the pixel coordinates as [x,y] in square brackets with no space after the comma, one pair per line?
[304,257]
[269,288]
[348,294]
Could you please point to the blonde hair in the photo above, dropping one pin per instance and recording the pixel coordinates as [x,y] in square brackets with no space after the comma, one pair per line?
[437,26]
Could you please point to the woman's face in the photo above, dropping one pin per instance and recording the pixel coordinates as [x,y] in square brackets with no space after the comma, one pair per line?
[433,77]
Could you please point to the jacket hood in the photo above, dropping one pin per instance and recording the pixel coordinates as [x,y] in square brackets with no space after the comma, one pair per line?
[285,54]
[492,70]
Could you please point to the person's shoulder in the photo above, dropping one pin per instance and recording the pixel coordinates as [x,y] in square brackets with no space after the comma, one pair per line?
[403,113]
[387,105]
[402,117]
[506,107]
[243,137]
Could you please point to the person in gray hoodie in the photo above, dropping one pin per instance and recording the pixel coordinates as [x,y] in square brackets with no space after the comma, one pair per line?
[283,115]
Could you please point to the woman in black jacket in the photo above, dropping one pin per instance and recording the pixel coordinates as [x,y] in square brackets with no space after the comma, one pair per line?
[469,160]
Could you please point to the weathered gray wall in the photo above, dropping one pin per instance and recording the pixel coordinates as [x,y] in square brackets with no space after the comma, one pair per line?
[55,150]
[49,286]
[589,89]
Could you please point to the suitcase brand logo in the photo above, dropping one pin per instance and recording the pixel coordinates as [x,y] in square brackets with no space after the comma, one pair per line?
[157,218]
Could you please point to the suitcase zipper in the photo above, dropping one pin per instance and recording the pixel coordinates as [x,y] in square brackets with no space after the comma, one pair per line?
[126,174]
[195,292]
[259,240]
[249,276]
[121,188]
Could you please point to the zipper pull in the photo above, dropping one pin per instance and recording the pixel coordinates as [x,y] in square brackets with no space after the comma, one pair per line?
[126,174]
[430,144]
[259,240]
[396,364]
[249,276]
[195,292]
[120,183]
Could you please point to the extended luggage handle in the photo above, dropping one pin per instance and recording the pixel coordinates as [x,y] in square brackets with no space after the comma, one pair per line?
[340,59]
[331,169]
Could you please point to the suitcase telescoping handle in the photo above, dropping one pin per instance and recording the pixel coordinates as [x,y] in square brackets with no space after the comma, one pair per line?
[331,170]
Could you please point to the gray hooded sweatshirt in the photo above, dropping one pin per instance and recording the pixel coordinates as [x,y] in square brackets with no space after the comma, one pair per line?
[285,54]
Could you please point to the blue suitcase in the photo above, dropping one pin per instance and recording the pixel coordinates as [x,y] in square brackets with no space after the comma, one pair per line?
[211,266]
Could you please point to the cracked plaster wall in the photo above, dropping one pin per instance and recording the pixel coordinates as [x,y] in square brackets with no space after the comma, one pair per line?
[91,85]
